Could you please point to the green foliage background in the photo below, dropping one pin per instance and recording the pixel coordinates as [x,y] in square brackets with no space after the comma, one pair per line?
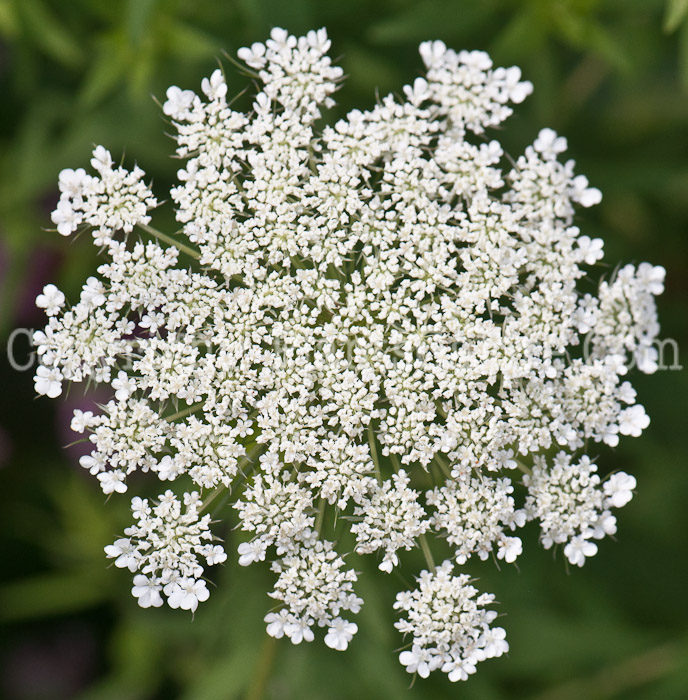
[611,75]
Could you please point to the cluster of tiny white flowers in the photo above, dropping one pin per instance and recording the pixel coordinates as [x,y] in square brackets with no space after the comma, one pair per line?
[572,504]
[165,546]
[450,627]
[473,514]
[314,589]
[118,199]
[278,511]
[376,330]
[391,519]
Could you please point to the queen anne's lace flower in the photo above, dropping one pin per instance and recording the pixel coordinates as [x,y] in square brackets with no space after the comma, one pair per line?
[376,326]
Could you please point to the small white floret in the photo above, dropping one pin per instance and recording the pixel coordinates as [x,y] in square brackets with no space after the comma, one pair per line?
[48,381]
[93,292]
[112,481]
[250,552]
[187,593]
[178,103]
[509,549]
[418,660]
[52,300]
[147,592]
[633,420]
[216,87]
[619,489]
[340,634]
[124,553]
[590,250]
[66,218]
[549,144]
[579,549]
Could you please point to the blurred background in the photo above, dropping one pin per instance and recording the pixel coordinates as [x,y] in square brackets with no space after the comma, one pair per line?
[611,75]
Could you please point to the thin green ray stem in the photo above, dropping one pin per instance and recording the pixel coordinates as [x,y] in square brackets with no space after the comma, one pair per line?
[523,467]
[173,242]
[211,497]
[246,461]
[184,413]
[395,462]
[443,465]
[425,548]
[256,690]
[320,515]
[373,453]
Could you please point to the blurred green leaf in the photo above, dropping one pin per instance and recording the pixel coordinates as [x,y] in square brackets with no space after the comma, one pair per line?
[524,34]
[368,72]
[54,593]
[8,18]
[683,55]
[585,31]
[625,676]
[106,70]
[188,41]
[49,33]
[138,16]
[142,70]
[430,19]
[676,13]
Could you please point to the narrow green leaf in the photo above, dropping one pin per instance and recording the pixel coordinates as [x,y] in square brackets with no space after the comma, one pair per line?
[189,42]
[675,13]
[585,32]
[683,56]
[8,18]
[49,33]
[52,594]
[142,70]
[138,16]
[105,72]
[606,45]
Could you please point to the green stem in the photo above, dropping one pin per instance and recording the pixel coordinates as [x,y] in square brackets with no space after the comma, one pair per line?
[443,465]
[256,690]
[77,442]
[247,460]
[246,467]
[183,414]
[320,515]
[373,453]
[425,547]
[395,462]
[525,469]
[168,239]
[211,497]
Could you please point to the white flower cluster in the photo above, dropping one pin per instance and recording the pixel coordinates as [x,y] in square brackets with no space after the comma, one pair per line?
[450,627]
[572,504]
[313,588]
[165,546]
[376,329]
[474,513]
[118,199]
[277,510]
[391,519]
